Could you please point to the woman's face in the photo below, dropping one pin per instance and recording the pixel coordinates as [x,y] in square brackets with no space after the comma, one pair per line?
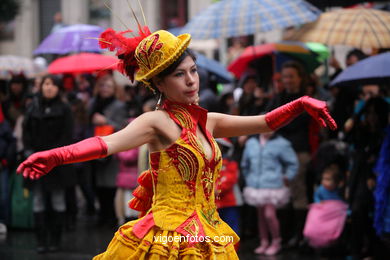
[49,90]
[291,80]
[182,85]
[249,86]
[106,88]
[16,88]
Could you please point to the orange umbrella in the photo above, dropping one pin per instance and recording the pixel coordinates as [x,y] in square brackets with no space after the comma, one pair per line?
[83,63]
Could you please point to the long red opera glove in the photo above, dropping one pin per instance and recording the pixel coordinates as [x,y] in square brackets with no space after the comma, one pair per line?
[316,108]
[40,163]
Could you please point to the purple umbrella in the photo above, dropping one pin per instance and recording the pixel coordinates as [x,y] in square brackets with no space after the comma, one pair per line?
[73,38]
[372,70]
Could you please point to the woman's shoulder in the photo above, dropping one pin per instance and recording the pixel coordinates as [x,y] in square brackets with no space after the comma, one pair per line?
[157,117]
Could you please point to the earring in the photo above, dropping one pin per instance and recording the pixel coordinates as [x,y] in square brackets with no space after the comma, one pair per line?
[158,105]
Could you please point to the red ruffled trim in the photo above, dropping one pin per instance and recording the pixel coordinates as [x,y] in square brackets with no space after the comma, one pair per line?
[143,194]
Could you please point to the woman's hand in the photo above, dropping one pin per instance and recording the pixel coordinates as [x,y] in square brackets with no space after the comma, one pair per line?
[281,116]
[37,165]
[319,111]
[41,163]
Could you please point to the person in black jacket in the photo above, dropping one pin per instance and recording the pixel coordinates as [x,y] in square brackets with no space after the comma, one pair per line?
[48,123]
[7,161]
[294,80]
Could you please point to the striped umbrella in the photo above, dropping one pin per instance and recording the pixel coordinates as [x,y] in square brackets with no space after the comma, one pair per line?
[359,27]
[231,18]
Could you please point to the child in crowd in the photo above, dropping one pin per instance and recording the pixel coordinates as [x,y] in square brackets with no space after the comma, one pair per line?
[126,182]
[268,164]
[331,183]
[326,217]
[229,197]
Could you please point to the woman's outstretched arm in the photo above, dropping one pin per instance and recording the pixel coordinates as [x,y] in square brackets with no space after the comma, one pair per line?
[222,125]
[140,131]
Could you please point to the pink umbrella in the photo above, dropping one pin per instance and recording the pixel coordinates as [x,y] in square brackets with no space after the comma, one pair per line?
[83,63]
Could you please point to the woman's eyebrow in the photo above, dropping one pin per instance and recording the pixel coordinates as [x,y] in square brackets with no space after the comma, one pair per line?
[183,69]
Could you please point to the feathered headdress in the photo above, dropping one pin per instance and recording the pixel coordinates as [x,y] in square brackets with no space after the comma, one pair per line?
[124,47]
[146,54]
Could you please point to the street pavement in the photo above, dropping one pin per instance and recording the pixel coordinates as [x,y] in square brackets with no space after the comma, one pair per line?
[87,240]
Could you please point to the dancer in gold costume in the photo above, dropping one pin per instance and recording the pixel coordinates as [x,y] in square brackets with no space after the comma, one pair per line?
[179,219]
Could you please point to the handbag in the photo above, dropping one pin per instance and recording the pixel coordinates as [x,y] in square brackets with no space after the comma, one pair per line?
[21,203]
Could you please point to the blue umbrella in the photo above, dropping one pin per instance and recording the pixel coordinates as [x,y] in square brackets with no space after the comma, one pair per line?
[231,18]
[72,38]
[373,70]
[214,67]
[211,66]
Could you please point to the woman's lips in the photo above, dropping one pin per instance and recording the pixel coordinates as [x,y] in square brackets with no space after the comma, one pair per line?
[190,93]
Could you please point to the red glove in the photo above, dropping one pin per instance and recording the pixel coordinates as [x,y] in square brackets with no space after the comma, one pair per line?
[281,116]
[40,163]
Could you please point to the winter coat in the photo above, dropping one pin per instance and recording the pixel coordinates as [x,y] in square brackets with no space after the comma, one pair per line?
[7,145]
[128,169]
[47,125]
[228,192]
[106,169]
[265,166]
[297,131]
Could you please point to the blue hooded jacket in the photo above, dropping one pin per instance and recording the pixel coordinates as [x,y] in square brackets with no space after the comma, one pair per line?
[265,166]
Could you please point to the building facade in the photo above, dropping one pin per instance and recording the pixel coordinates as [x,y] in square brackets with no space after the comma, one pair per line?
[36,18]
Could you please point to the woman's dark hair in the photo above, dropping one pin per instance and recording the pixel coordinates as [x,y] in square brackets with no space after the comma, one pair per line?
[378,107]
[171,68]
[57,81]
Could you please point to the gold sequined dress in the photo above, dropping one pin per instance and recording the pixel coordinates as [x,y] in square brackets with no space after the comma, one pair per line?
[181,219]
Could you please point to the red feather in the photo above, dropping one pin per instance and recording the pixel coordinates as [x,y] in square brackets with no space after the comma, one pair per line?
[124,47]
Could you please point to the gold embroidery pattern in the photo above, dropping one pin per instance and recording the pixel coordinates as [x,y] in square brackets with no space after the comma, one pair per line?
[192,227]
[194,141]
[218,155]
[209,216]
[207,181]
[183,116]
[150,53]
[186,164]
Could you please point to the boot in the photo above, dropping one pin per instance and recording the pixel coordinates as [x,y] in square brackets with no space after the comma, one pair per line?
[55,230]
[274,247]
[41,232]
[262,248]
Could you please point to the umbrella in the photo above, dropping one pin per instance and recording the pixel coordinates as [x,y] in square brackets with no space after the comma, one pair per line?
[10,64]
[82,63]
[231,18]
[283,50]
[214,67]
[372,70]
[73,38]
[358,27]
